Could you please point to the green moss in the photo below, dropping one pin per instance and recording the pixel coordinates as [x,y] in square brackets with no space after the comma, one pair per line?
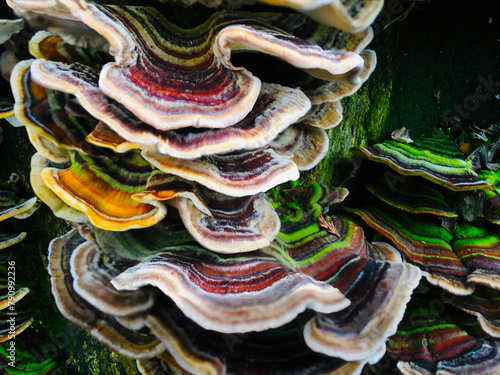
[88,356]
[364,122]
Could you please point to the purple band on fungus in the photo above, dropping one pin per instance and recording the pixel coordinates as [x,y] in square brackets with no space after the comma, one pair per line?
[237,174]
[218,222]
[265,294]
[102,327]
[424,244]
[92,282]
[379,292]
[45,112]
[485,305]
[153,73]
[427,344]
[305,146]
[236,225]
[276,108]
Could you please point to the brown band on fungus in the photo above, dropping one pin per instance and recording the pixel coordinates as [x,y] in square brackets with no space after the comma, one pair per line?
[237,174]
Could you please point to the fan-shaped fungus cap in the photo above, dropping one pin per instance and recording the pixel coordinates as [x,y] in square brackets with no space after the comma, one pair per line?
[103,189]
[428,344]
[236,174]
[92,281]
[276,108]
[479,251]
[324,116]
[218,222]
[162,186]
[135,245]
[11,206]
[11,328]
[190,347]
[275,351]
[334,91]
[230,293]
[492,202]
[353,16]
[6,108]
[47,149]
[484,303]
[104,136]
[439,161]
[327,252]
[54,7]
[306,146]
[334,250]
[333,38]
[15,295]
[178,99]
[45,112]
[236,225]
[44,45]
[102,327]
[379,292]
[410,194]
[281,350]
[42,191]
[424,243]
[7,240]
[383,251]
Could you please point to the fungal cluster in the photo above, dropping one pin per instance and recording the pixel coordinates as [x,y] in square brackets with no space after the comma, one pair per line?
[422,205]
[176,151]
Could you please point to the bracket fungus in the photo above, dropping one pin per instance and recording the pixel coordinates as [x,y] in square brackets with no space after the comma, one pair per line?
[236,174]
[255,293]
[424,243]
[439,161]
[353,16]
[102,327]
[103,189]
[10,295]
[455,258]
[479,251]
[235,225]
[411,195]
[238,293]
[249,271]
[358,331]
[428,344]
[173,117]
[44,113]
[276,108]
[15,316]
[181,99]
[485,305]
[427,224]
[243,274]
